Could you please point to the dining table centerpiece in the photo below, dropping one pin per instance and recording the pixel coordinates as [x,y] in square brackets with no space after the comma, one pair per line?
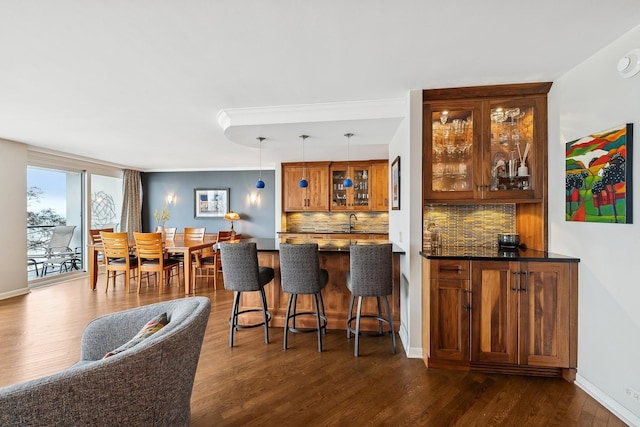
[161,218]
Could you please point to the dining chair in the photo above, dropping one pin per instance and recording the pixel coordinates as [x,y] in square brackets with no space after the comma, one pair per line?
[117,257]
[370,275]
[169,234]
[96,239]
[300,274]
[243,274]
[193,233]
[207,265]
[151,257]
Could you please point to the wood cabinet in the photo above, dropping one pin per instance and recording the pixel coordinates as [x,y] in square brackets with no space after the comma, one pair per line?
[450,288]
[474,139]
[315,197]
[326,191]
[380,186]
[370,191]
[502,316]
[356,198]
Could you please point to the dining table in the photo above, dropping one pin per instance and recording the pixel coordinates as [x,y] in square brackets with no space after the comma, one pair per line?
[186,247]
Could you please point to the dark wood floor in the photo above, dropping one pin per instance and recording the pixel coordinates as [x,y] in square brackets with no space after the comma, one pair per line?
[257,384]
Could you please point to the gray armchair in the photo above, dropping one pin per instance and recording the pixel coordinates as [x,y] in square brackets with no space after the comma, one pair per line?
[149,384]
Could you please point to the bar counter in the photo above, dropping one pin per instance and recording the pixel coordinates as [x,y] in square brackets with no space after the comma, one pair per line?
[334,257]
[494,253]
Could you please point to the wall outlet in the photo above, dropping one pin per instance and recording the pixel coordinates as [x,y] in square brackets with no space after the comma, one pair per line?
[632,393]
[400,236]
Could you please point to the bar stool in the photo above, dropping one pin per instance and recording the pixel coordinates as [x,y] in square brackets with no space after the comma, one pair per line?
[242,273]
[371,275]
[300,274]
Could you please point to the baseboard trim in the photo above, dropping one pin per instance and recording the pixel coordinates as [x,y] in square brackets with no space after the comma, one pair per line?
[15,293]
[607,401]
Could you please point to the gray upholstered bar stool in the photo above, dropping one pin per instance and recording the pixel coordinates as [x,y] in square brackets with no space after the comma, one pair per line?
[300,274]
[370,275]
[241,273]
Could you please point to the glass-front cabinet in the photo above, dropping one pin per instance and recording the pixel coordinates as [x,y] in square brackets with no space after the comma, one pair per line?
[486,146]
[356,197]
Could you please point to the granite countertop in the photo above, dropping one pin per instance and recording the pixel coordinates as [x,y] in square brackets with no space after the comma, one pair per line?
[333,232]
[324,245]
[493,253]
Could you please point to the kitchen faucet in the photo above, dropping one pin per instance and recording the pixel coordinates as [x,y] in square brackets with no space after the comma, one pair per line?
[351,226]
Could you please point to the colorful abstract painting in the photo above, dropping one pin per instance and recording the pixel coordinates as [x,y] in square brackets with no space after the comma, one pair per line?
[598,177]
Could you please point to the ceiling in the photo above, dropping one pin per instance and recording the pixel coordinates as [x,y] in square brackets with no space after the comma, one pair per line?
[189,85]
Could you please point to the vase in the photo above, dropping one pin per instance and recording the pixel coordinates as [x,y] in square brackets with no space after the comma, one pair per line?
[160,229]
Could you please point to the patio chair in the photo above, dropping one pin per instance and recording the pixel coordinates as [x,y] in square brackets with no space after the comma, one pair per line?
[58,253]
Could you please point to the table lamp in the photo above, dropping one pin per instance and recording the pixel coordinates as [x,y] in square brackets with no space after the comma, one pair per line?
[232,216]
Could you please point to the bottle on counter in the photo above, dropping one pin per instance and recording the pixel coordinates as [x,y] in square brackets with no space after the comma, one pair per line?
[434,236]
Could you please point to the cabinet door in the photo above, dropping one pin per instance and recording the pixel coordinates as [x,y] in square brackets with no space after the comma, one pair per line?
[450,320]
[293,197]
[356,198]
[513,135]
[318,190]
[379,184]
[313,198]
[451,151]
[494,323]
[544,314]
[450,305]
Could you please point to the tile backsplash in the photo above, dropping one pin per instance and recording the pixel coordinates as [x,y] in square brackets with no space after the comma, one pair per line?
[470,225]
[326,222]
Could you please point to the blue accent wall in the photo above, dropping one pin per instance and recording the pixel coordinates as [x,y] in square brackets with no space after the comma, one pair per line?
[256,219]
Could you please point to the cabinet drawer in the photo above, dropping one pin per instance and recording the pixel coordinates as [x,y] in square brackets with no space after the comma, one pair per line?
[450,269]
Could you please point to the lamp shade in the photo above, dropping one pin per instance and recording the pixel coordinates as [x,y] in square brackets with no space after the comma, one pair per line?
[303,183]
[232,216]
[260,183]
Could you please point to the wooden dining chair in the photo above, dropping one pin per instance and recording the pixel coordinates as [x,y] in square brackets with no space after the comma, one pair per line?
[169,232]
[209,265]
[151,259]
[96,239]
[193,233]
[169,235]
[117,257]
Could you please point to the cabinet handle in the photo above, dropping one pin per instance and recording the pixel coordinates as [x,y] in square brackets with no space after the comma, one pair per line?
[456,269]
[515,274]
[467,305]
[526,280]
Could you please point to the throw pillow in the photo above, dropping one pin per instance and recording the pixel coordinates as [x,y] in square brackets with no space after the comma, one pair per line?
[152,326]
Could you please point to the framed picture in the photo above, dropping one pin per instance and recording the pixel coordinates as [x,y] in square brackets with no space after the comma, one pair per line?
[395,184]
[598,177]
[211,203]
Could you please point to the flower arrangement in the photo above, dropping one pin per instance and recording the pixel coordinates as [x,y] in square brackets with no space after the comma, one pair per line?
[163,216]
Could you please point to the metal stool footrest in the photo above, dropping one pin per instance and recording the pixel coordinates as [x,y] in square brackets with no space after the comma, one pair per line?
[323,322]
[369,333]
[254,325]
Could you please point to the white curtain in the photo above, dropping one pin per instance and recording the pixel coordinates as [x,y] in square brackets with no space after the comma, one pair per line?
[131,219]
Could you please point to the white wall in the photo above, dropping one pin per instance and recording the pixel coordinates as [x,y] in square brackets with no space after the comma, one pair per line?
[405,225]
[13,217]
[590,98]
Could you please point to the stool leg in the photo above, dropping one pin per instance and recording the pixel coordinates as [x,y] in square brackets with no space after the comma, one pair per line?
[356,352]
[233,321]
[295,308]
[379,316]
[286,321]
[315,300]
[265,315]
[349,317]
[393,333]
[324,315]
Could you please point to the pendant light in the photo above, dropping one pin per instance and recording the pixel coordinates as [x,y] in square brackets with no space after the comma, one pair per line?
[260,182]
[348,183]
[303,182]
